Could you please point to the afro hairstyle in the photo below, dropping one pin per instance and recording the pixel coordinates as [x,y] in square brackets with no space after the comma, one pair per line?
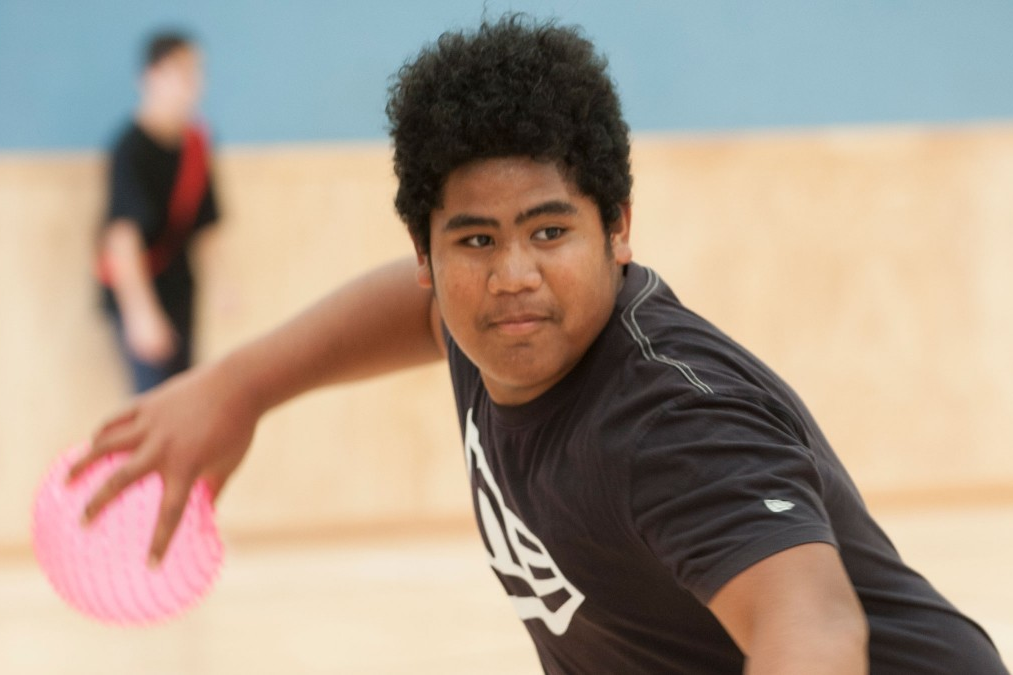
[511,88]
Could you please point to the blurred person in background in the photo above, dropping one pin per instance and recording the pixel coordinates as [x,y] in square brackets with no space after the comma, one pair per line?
[160,197]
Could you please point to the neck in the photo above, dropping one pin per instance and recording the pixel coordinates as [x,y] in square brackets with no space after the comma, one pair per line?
[165,127]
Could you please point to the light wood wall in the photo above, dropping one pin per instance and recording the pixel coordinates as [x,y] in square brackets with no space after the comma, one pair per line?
[872,268]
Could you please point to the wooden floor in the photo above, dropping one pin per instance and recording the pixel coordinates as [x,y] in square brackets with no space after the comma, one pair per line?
[409,605]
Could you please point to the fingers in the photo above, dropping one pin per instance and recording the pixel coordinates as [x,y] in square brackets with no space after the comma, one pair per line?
[124,416]
[174,500]
[126,474]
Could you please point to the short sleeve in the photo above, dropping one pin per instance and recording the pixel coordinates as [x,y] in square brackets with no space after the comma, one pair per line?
[721,483]
[127,196]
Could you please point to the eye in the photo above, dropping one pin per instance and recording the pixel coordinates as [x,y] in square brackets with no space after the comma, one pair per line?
[477,241]
[550,233]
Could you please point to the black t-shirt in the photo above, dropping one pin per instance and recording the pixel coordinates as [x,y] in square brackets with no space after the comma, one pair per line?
[141,180]
[667,461]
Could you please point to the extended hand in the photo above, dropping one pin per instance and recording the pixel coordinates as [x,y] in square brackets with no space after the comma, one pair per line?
[196,425]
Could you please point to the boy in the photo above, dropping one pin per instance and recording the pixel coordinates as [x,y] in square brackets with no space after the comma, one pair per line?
[651,496]
[160,197]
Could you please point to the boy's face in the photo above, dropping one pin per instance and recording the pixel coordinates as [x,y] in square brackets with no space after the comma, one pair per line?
[523,273]
[175,82]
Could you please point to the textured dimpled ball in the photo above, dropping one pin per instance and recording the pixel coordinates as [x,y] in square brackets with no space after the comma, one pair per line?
[101,569]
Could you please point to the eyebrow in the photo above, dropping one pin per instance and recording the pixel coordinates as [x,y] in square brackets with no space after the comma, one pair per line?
[553,207]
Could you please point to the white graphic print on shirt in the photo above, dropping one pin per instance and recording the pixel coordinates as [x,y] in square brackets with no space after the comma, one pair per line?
[515,551]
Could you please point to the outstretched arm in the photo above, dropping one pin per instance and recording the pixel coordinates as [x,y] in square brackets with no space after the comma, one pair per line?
[200,424]
[381,322]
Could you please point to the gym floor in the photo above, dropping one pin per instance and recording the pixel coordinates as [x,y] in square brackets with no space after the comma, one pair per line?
[411,604]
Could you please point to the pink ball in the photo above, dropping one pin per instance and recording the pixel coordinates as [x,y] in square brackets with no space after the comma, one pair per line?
[101,569]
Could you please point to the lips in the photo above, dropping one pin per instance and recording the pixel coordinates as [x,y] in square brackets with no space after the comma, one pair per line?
[518,323]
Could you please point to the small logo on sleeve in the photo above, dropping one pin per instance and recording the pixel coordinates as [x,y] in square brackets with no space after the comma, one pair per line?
[778,505]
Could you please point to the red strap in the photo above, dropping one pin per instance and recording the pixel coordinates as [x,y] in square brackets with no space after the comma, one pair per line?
[184,203]
[187,195]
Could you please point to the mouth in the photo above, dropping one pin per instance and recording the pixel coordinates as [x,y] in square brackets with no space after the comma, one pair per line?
[517,324]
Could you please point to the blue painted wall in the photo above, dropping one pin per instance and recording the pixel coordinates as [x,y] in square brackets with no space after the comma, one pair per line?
[317,70]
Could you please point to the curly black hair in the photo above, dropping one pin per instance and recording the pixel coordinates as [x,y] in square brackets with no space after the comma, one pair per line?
[511,88]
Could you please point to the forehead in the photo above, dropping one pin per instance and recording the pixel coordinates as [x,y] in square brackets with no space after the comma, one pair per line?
[506,182]
[184,56]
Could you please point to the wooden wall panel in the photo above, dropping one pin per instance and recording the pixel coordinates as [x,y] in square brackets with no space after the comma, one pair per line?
[870,267]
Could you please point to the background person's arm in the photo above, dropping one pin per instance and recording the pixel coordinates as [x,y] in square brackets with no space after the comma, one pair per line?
[148,332]
[796,612]
[200,423]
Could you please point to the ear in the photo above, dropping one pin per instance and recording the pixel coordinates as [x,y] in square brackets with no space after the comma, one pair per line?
[619,235]
[424,271]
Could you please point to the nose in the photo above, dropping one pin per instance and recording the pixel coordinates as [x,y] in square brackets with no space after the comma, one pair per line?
[514,270]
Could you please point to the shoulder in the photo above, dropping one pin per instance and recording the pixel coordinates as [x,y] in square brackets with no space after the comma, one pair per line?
[127,135]
[668,336]
[663,344]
